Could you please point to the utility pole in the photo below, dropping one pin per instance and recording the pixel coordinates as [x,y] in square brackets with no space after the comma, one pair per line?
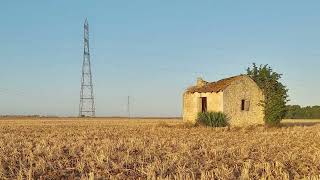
[128,107]
[86,107]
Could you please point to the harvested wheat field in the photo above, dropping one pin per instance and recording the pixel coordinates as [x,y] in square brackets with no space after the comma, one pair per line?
[57,148]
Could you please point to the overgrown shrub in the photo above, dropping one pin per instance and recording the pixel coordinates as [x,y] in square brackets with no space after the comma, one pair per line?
[275,93]
[213,119]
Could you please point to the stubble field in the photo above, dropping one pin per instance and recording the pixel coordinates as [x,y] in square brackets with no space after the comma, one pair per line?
[69,148]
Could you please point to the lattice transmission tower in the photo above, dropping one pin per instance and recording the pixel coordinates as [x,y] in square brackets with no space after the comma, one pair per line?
[87,106]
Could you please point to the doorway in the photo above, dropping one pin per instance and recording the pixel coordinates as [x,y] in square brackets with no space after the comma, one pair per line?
[203,104]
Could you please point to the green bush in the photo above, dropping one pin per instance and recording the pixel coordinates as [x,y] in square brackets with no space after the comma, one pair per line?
[213,119]
[275,93]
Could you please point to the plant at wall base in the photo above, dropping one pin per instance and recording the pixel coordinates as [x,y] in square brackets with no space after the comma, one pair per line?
[275,93]
[213,119]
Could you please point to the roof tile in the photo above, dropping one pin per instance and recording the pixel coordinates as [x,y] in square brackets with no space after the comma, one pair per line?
[214,86]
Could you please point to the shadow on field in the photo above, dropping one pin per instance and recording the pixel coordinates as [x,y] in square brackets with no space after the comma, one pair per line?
[300,122]
[284,124]
[292,124]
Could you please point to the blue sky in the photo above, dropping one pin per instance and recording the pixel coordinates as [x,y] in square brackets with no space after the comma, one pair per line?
[150,50]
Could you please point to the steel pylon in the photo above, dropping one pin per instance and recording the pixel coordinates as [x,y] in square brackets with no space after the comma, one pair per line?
[87,106]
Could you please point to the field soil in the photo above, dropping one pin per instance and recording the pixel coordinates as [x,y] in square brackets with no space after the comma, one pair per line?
[104,148]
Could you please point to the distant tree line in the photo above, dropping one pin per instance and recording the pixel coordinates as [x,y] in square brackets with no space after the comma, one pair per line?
[298,112]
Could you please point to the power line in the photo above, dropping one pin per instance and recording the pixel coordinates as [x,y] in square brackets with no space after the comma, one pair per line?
[128,107]
[12,92]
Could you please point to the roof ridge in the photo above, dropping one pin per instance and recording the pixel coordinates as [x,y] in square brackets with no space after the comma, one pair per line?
[217,86]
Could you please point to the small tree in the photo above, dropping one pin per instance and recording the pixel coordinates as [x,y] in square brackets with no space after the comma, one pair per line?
[275,93]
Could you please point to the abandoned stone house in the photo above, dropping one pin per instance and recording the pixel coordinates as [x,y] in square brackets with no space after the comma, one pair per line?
[238,97]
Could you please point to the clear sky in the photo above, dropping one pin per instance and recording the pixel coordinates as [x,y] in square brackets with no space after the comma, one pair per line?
[150,50]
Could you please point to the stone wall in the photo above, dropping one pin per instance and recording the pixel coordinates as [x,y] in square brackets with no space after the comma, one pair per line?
[243,89]
[190,107]
[192,104]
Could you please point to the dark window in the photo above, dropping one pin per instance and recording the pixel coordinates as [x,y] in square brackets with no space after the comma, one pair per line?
[204,104]
[242,104]
[245,105]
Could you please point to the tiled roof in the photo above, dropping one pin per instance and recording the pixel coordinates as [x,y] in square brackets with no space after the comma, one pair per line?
[214,86]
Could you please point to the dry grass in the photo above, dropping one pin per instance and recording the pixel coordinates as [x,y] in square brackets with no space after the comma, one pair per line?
[146,149]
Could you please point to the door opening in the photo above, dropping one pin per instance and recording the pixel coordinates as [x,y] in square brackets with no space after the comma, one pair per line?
[203,104]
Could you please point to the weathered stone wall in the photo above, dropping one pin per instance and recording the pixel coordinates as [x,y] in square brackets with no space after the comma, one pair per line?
[215,101]
[243,89]
[192,104]
[190,107]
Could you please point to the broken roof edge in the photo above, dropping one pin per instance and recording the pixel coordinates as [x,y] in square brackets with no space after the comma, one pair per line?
[217,86]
